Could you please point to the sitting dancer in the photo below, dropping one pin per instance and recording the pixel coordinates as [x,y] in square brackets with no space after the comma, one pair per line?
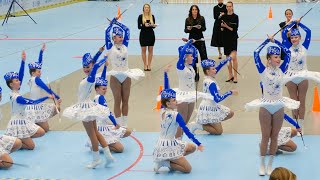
[19,126]
[210,112]
[169,151]
[40,113]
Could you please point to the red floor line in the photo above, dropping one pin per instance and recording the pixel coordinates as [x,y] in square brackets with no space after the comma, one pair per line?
[134,163]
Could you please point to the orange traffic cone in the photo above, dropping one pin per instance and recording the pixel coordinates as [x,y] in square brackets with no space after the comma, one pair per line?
[158,106]
[270,13]
[316,101]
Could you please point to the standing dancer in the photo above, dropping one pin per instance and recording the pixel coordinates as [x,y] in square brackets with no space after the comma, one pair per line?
[298,87]
[19,126]
[195,24]
[87,111]
[186,93]
[230,25]
[210,113]
[146,22]
[40,113]
[272,103]
[111,133]
[169,151]
[120,80]
[285,134]
[218,11]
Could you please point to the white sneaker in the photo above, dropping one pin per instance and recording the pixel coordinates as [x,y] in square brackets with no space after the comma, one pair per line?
[109,158]
[94,164]
[124,121]
[109,161]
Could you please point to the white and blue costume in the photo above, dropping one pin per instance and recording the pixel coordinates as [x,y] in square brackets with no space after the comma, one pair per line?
[210,111]
[118,53]
[107,130]
[298,62]
[39,112]
[87,110]
[6,142]
[19,126]
[186,92]
[167,146]
[285,132]
[272,79]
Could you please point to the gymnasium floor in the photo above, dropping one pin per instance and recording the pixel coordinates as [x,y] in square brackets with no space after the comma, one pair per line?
[61,153]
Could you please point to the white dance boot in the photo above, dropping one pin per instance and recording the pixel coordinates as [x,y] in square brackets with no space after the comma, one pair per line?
[269,168]
[119,120]
[124,121]
[262,169]
[158,165]
[96,160]
[193,126]
[109,158]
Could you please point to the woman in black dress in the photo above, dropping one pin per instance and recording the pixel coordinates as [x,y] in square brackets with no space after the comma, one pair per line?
[288,13]
[195,24]
[229,27]
[216,40]
[146,22]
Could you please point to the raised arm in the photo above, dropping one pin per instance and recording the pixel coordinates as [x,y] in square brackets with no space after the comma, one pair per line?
[287,56]
[222,63]
[21,70]
[307,40]
[40,56]
[95,58]
[256,55]
[43,86]
[91,78]
[126,33]
[185,129]
[108,36]
[215,93]
[166,81]
[182,53]
[22,100]
[102,101]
